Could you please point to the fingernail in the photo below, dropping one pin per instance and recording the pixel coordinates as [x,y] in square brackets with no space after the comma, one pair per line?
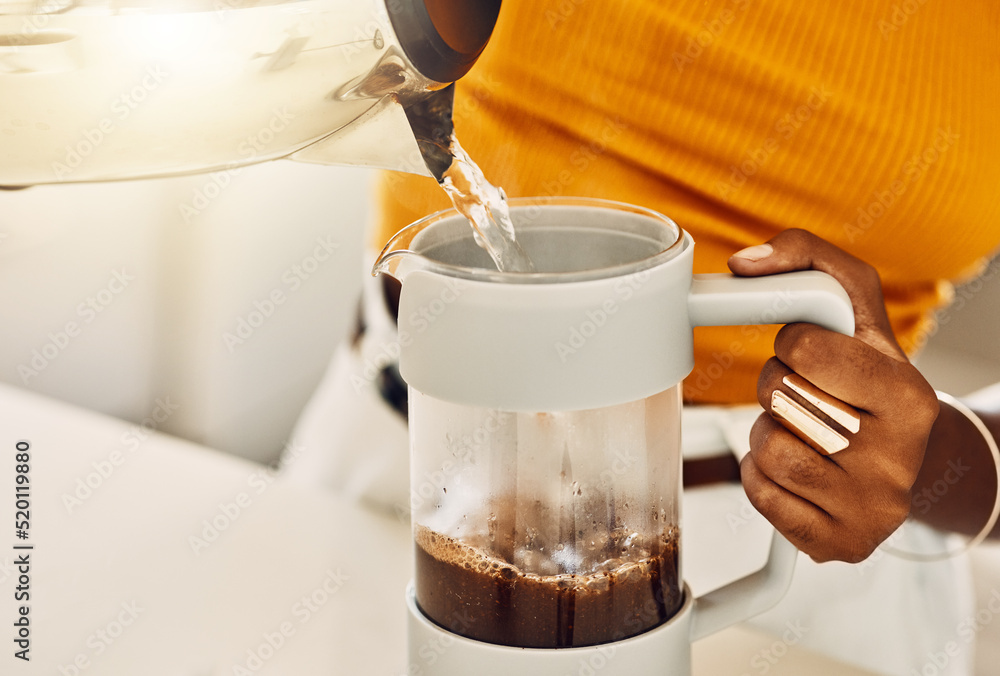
[755,253]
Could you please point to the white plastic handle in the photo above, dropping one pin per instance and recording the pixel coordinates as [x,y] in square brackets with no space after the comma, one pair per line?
[748,596]
[806,296]
[726,300]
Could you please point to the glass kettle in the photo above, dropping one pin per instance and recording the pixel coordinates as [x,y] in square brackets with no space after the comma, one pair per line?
[95,90]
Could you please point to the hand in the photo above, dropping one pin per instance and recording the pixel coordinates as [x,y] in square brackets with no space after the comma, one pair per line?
[840,506]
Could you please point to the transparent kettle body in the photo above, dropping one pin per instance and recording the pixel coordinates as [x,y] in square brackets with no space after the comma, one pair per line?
[547,529]
[111,89]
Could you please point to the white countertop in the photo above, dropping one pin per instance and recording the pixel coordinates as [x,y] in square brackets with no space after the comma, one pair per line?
[182,561]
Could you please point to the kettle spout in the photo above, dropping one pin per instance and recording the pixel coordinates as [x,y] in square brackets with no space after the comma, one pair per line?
[433,128]
[408,136]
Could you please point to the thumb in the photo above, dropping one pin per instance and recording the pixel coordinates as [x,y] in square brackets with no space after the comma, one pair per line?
[801,250]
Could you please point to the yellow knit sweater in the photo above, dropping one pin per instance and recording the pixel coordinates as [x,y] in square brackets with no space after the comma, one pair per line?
[873,124]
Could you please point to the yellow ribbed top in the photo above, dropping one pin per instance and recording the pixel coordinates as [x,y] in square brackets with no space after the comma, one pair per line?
[873,124]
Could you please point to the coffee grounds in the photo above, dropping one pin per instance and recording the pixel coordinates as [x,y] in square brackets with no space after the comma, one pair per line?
[467,591]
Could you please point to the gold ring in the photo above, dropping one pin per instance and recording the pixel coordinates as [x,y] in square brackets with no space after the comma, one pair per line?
[804,424]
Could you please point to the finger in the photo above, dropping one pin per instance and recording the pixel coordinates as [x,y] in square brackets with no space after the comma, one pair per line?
[800,250]
[856,373]
[787,461]
[844,521]
[803,523]
[773,377]
[889,407]
[844,367]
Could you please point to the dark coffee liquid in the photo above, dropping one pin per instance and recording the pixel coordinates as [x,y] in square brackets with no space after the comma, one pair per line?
[468,592]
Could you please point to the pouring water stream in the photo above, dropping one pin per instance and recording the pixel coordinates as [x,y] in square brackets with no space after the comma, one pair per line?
[481,202]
